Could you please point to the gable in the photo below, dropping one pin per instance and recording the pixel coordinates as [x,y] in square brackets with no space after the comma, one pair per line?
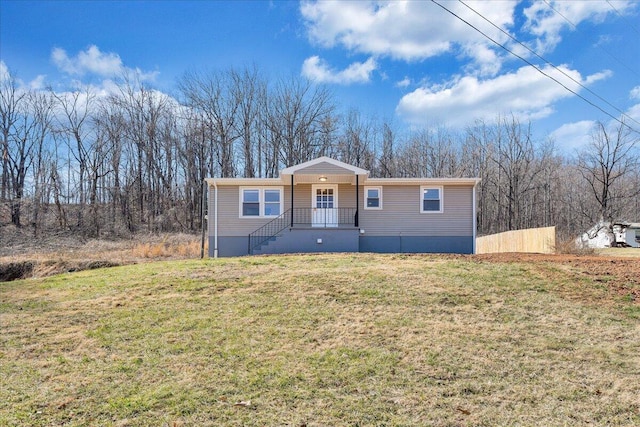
[323,165]
[324,168]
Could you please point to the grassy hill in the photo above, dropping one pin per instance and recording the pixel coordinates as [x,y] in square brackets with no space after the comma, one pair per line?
[319,340]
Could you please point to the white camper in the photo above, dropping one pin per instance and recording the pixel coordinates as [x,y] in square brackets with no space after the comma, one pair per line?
[627,234]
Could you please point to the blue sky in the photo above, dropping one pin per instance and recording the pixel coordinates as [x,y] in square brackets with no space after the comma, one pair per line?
[409,62]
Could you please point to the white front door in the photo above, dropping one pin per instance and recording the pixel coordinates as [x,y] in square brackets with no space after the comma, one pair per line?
[324,204]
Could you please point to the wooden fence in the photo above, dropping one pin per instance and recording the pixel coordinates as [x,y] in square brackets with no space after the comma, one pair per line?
[539,240]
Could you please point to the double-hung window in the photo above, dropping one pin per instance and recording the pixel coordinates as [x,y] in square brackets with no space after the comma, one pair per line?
[260,202]
[250,202]
[272,199]
[373,197]
[431,199]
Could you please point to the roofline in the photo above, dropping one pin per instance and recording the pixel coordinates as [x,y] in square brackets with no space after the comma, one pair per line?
[245,181]
[627,224]
[421,181]
[366,181]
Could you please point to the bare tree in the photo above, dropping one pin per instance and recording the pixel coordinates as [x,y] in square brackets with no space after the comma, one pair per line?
[150,131]
[11,99]
[608,159]
[110,126]
[19,157]
[41,105]
[248,89]
[387,162]
[212,95]
[296,111]
[74,111]
[356,143]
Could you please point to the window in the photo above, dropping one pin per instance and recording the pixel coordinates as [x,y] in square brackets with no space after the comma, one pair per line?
[272,203]
[324,198]
[250,202]
[431,199]
[373,197]
[260,202]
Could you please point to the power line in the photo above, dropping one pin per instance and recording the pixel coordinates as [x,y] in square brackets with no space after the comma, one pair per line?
[622,113]
[535,67]
[623,17]
[575,27]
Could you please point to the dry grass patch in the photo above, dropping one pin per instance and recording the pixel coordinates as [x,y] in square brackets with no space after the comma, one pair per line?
[316,340]
[619,252]
[31,259]
[168,249]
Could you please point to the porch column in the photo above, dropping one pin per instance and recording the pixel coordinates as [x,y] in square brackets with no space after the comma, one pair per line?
[291,200]
[357,199]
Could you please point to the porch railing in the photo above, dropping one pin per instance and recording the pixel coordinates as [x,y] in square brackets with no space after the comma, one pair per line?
[303,217]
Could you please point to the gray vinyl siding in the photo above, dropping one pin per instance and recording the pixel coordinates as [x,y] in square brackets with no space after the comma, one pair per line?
[400,214]
[230,223]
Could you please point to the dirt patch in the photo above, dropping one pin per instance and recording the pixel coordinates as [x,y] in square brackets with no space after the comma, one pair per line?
[15,270]
[24,269]
[621,275]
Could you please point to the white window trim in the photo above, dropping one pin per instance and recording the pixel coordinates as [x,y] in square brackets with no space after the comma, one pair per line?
[370,187]
[261,202]
[432,187]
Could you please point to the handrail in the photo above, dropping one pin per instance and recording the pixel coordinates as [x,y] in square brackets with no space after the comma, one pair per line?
[269,230]
[325,218]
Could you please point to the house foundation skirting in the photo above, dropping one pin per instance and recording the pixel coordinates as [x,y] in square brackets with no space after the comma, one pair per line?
[339,241]
[417,244]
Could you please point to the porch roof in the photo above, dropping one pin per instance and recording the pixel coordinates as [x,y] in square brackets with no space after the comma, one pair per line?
[323,170]
[323,165]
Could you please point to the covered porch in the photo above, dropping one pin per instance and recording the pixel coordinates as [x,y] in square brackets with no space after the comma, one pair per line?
[323,194]
[328,206]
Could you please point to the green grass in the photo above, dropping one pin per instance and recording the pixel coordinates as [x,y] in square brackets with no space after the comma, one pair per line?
[318,340]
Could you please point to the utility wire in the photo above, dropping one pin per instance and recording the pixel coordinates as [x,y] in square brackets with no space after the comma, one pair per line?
[622,113]
[623,17]
[598,44]
[536,67]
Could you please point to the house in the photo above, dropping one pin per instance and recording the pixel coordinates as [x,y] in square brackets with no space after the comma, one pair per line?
[325,205]
[627,234]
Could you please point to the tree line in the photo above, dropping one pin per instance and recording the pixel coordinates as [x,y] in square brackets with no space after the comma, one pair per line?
[134,159]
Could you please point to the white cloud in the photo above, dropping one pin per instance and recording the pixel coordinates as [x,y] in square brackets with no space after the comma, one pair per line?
[573,136]
[317,70]
[635,93]
[4,72]
[526,93]
[634,113]
[546,20]
[602,75]
[36,84]
[409,30]
[404,83]
[94,61]
[90,61]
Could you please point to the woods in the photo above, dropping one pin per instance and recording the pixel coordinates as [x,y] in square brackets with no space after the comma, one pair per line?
[133,159]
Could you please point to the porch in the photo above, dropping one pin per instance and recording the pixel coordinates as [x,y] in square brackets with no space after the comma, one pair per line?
[318,191]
